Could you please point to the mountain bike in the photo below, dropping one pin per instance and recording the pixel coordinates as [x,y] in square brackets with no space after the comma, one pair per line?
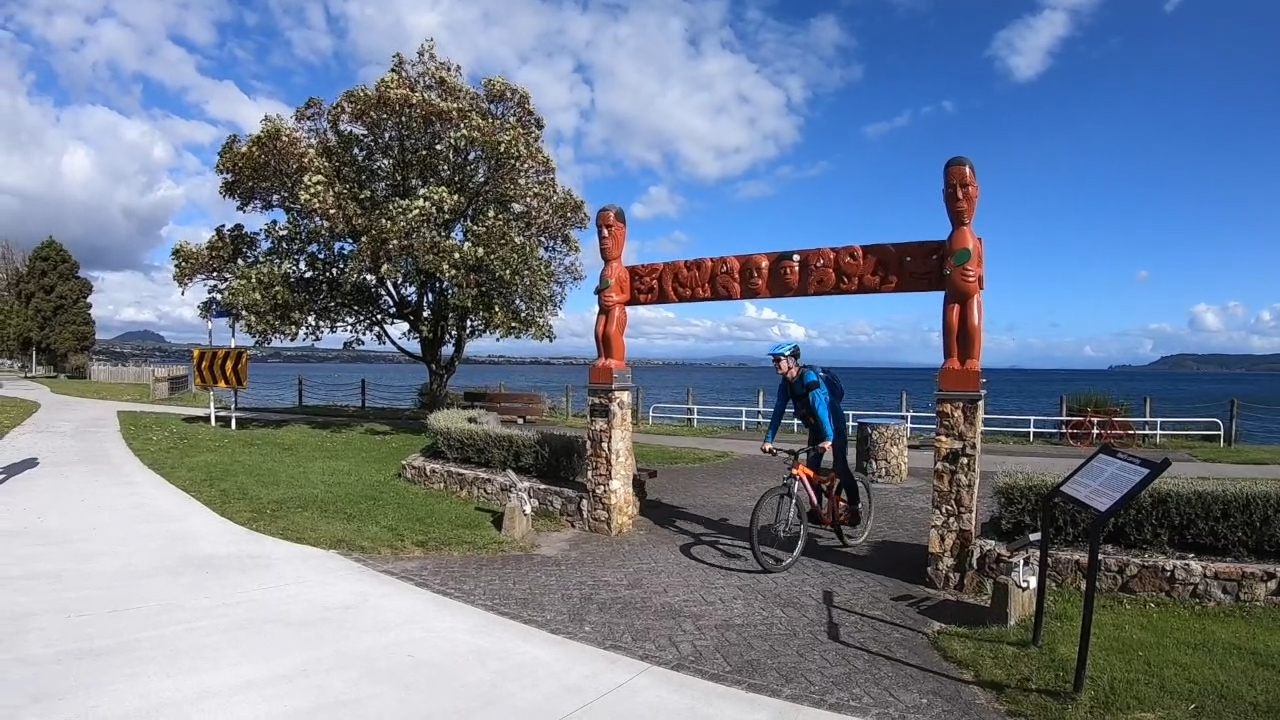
[790,515]
[1100,428]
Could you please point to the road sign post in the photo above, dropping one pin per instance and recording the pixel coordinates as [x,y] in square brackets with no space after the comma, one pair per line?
[221,367]
[1104,484]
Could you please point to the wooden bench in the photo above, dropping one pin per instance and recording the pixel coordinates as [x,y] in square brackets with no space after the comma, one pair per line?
[508,406]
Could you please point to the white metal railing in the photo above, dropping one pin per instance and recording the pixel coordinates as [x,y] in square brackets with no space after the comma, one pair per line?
[745,417]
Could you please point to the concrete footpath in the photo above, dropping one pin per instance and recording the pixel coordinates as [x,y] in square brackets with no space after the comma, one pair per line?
[126,598]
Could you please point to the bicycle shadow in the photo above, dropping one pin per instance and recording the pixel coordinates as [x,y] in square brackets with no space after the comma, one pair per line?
[892,559]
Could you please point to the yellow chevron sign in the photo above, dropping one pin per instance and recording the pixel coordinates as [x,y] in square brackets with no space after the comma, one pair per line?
[221,367]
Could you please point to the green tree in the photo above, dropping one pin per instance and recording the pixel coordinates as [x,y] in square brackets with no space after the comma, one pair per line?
[55,317]
[420,211]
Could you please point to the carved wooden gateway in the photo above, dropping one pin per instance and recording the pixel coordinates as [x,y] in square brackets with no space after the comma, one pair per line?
[953,266]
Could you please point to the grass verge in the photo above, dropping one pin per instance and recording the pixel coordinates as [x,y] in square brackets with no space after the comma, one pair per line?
[1149,658]
[120,392]
[660,456]
[333,486]
[14,412]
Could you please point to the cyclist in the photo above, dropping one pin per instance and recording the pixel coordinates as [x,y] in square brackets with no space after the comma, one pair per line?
[822,415]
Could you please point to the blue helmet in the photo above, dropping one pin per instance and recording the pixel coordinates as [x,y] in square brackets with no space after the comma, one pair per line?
[784,349]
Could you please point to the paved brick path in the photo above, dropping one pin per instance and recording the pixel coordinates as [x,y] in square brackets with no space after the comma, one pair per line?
[843,630]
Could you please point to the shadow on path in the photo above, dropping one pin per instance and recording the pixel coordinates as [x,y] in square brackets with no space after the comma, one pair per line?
[17,467]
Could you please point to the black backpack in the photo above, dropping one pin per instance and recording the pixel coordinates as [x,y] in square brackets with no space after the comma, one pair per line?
[834,387]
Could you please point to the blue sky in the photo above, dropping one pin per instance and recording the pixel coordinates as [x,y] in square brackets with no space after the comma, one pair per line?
[1126,151]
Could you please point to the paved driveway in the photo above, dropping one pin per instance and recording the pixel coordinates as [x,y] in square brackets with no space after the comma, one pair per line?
[844,629]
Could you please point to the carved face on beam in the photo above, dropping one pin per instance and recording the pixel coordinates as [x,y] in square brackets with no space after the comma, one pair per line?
[818,269]
[960,191]
[786,275]
[755,276]
[611,232]
[644,282]
[849,267]
[725,282]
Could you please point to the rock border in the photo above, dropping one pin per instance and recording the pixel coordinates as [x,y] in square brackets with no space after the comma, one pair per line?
[495,488]
[1210,582]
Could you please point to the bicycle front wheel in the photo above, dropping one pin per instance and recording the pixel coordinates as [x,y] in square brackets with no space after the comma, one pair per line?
[777,522]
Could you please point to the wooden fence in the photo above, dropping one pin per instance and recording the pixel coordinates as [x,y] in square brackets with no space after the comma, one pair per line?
[137,374]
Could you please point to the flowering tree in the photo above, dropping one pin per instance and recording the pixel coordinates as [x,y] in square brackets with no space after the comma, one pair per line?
[421,212]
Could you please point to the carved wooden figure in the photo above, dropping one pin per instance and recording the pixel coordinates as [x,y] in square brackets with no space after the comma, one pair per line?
[964,280]
[614,291]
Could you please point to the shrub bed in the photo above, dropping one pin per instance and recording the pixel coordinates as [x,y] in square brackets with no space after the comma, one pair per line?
[459,436]
[1234,518]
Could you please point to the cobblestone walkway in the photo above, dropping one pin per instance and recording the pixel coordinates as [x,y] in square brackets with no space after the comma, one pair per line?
[843,630]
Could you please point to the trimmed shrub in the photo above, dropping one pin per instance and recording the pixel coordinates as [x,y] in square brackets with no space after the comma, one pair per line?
[459,436]
[1236,518]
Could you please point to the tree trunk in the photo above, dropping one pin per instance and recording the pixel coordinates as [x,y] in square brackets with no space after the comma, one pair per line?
[434,393]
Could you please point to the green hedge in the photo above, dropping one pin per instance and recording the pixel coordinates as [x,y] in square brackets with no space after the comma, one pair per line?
[1237,518]
[455,436]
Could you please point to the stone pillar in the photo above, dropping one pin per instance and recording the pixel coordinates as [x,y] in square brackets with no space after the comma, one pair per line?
[881,450]
[611,463]
[957,455]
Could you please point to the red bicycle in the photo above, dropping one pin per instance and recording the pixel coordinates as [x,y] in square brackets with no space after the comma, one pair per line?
[1100,428]
[788,506]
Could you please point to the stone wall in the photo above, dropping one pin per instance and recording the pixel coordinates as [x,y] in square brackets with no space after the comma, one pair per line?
[494,488]
[1197,580]
[957,455]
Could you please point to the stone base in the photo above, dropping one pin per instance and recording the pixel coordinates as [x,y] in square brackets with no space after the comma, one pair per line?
[611,464]
[957,454]
[1193,580]
[881,450]
[515,524]
[1011,603]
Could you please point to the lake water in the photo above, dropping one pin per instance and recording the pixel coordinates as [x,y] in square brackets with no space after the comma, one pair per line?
[1009,392]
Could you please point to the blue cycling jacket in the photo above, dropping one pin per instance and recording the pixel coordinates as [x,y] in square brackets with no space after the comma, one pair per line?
[809,393]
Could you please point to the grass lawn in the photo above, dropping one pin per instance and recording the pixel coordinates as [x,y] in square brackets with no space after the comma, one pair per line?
[660,456]
[13,411]
[335,486]
[121,392]
[1240,454]
[1148,659]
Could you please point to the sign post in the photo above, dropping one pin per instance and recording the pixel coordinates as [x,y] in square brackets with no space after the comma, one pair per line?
[1105,483]
[215,367]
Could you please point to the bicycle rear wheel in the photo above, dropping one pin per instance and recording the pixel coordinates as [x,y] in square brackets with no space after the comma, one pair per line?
[782,515]
[1079,433]
[857,535]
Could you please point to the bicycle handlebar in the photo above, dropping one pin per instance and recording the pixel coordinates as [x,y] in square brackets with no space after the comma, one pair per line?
[793,454]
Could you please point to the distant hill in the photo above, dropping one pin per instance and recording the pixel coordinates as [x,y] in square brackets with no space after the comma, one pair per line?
[1215,362]
[140,337]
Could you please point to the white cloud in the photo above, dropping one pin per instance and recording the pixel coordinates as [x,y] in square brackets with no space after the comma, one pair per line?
[903,119]
[114,111]
[1215,318]
[1143,275]
[773,181]
[1025,48]
[126,300]
[657,201]
[705,89]
[1171,5]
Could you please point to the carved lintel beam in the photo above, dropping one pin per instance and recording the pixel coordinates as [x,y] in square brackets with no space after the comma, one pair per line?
[845,270]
